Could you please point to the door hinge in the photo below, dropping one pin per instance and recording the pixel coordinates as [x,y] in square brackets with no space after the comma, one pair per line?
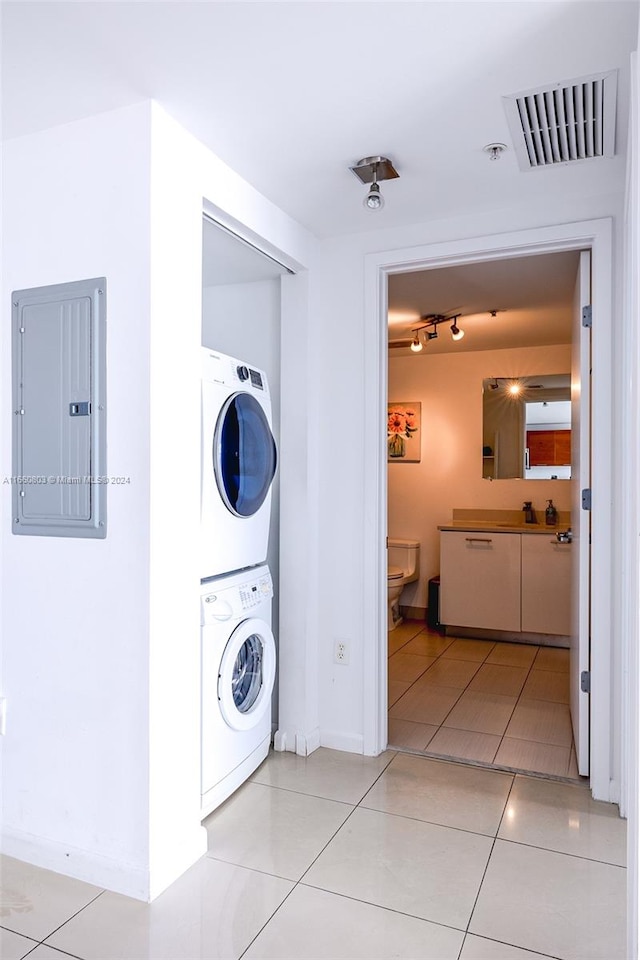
[586,499]
[587,316]
[585,681]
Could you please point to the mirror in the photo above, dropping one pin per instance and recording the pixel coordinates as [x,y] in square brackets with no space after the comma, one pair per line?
[526,427]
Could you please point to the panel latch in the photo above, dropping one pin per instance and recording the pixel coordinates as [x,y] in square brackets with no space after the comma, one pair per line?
[82,409]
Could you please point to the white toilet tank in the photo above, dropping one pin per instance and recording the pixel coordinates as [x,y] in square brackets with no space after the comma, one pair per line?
[404,554]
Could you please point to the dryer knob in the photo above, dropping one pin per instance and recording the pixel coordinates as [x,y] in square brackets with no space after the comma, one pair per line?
[243,373]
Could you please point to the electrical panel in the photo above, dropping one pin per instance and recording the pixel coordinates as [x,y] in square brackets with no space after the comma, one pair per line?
[59,410]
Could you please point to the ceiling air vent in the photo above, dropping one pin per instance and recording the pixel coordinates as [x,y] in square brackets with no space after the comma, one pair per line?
[564,122]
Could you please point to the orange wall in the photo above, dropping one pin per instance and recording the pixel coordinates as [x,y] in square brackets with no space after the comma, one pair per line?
[449,475]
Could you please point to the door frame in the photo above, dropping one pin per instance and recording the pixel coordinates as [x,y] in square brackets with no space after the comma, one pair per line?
[595,235]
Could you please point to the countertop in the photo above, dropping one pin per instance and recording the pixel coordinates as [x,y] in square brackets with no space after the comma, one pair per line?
[475,520]
[491,526]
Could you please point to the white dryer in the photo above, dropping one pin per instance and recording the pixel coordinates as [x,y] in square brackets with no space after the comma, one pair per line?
[238,464]
[238,673]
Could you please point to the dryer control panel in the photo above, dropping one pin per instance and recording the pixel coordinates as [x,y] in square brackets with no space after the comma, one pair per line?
[232,597]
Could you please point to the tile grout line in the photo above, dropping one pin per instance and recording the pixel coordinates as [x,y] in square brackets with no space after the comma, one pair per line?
[561,853]
[518,699]
[296,883]
[484,873]
[61,925]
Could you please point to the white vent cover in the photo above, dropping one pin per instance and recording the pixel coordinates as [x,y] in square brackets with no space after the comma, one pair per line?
[564,122]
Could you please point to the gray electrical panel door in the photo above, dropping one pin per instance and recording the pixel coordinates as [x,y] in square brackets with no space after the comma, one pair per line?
[59,410]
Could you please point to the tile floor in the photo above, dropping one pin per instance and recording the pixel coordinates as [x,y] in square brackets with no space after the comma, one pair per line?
[339,856]
[504,704]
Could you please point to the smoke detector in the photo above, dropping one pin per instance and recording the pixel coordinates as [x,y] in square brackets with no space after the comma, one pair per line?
[564,122]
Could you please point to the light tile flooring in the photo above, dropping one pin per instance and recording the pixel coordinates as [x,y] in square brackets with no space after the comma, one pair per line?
[505,704]
[338,856]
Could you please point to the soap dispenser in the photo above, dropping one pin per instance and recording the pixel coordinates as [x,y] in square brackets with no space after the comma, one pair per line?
[529,512]
[551,514]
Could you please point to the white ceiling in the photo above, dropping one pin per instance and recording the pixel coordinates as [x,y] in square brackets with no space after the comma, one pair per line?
[290,94]
[533,297]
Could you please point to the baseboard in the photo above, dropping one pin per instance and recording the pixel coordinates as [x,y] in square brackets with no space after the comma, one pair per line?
[186,851]
[335,740]
[413,613]
[301,743]
[103,872]
[508,636]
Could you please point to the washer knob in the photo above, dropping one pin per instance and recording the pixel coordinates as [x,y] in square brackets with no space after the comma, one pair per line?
[243,373]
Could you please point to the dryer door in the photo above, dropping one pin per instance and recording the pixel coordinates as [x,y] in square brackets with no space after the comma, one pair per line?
[244,455]
[247,673]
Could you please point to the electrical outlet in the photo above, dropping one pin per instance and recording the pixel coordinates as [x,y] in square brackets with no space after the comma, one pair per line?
[341,652]
[3,716]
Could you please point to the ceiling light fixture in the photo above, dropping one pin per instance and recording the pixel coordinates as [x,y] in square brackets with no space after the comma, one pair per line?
[430,326]
[371,170]
[456,332]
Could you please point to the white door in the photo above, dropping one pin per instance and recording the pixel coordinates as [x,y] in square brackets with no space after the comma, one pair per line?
[581,518]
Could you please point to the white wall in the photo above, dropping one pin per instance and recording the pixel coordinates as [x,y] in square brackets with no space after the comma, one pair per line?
[75,617]
[101,638]
[422,495]
[185,175]
[341,328]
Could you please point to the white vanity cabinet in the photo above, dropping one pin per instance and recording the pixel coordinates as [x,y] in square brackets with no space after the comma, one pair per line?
[480,580]
[546,585]
[514,582]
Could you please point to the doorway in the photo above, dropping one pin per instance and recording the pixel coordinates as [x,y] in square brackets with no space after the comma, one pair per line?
[463,695]
[592,235]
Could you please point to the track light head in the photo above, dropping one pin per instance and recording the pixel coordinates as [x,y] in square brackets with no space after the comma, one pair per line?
[416,346]
[456,332]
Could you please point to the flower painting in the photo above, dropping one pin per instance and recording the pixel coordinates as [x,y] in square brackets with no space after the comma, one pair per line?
[403,432]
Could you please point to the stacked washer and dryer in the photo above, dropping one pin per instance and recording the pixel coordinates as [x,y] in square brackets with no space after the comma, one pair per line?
[238,648]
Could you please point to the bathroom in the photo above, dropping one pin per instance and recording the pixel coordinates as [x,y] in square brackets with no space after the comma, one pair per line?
[516,318]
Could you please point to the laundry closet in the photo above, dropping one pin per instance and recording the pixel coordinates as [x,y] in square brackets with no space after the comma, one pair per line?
[240,397]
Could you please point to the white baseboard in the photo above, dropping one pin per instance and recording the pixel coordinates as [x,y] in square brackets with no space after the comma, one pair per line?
[301,743]
[335,740]
[101,871]
[104,872]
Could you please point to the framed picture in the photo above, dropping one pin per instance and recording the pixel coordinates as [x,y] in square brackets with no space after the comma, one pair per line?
[403,432]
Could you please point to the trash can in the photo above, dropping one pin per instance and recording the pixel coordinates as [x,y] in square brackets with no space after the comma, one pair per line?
[433,603]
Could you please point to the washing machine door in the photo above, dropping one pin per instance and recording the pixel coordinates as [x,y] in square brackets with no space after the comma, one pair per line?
[247,673]
[244,455]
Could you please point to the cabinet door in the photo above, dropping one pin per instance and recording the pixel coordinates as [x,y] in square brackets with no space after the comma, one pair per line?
[480,580]
[541,447]
[546,585]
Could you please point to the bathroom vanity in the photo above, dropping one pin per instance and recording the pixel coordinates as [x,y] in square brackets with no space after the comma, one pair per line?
[500,575]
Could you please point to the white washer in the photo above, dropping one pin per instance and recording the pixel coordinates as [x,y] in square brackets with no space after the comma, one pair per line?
[238,464]
[238,673]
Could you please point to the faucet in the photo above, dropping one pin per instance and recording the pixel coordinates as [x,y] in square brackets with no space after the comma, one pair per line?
[529,512]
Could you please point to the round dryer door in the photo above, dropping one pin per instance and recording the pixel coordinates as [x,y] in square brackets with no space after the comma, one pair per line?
[244,455]
[247,673]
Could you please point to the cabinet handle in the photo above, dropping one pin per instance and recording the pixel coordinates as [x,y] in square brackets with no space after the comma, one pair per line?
[478,540]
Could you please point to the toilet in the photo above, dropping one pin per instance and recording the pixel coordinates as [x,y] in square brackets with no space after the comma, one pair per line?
[403,566]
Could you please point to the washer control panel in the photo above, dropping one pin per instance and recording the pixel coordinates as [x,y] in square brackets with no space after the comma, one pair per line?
[251,594]
[233,601]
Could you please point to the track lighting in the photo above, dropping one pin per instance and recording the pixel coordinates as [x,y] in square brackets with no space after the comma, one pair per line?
[456,332]
[416,346]
[372,170]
